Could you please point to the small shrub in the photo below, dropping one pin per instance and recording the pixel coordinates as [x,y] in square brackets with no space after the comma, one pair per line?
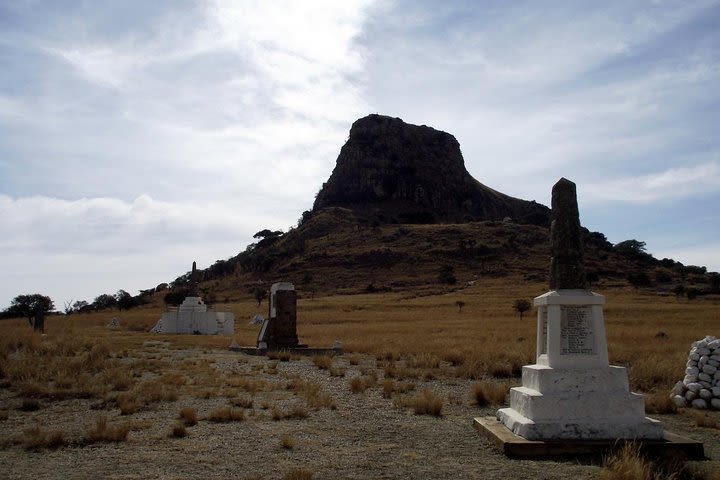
[282,355]
[178,431]
[297,411]
[226,414]
[188,415]
[489,393]
[287,442]
[353,359]
[391,386]
[128,406]
[336,371]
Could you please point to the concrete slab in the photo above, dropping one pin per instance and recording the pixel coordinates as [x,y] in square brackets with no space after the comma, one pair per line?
[516,446]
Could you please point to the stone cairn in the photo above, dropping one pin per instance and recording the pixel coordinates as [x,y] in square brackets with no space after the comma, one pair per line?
[701,386]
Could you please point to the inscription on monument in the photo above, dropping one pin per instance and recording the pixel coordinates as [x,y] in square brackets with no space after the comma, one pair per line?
[543,329]
[576,331]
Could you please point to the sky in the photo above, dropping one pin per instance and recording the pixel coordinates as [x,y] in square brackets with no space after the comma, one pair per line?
[136,137]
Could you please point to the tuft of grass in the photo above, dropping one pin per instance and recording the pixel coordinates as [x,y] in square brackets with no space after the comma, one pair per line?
[299,473]
[313,394]
[704,419]
[336,371]
[359,384]
[282,355]
[36,438]
[242,402]
[104,432]
[323,362]
[226,414]
[391,386]
[454,357]
[188,415]
[659,402]
[353,359]
[427,403]
[296,411]
[178,431]
[489,393]
[627,464]
[287,442]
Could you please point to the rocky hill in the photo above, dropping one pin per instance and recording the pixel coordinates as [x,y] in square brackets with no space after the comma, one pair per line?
[391,171]
[401,212]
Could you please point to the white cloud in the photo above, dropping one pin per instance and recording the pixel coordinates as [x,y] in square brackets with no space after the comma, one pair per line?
[672,184]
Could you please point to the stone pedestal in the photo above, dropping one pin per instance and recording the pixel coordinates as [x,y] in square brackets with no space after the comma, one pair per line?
[280,329]
[193,317]
[571,392]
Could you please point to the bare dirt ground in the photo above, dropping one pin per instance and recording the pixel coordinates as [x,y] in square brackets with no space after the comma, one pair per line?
[364,436]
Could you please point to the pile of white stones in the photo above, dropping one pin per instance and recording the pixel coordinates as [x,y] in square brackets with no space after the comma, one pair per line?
[701,386]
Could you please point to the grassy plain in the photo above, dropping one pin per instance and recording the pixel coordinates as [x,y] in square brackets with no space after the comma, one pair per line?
[422,352]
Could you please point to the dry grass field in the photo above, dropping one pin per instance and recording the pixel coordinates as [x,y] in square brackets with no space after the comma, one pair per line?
[87,400]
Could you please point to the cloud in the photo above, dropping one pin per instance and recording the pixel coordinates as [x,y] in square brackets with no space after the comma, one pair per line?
[672,184]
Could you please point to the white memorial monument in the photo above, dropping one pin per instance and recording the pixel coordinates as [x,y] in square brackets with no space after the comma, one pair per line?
[194,317]
[571,392]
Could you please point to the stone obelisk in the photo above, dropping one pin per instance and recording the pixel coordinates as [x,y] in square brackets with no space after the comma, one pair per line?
[571,392]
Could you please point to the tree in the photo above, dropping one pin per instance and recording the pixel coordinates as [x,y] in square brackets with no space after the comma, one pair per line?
[521,306]
[260,294]
[124,300]
[632,248]
[104,301]
[80,306]
[29,306]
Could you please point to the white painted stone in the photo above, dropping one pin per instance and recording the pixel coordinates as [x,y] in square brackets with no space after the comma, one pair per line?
[571,392]
[705,384]
[705,394]
[679,400]
[699,403]
[704,377]
[703,351]
[692,370]
[193,317]
[694,357]
[714,345]
[703,360]
[690,379]
[709,369]
[690,395]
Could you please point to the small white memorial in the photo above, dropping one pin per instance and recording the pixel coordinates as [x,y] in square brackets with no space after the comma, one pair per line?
[571,392]
[194,317]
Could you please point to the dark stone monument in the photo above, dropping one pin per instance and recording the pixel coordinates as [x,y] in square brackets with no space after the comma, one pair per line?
[194,280]
[567,269]
[280,330]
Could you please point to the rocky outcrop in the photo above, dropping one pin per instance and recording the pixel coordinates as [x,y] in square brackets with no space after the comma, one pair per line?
[393,171]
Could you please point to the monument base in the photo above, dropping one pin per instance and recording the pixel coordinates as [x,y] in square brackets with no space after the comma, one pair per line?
[581,404]
[516,446]
[298,350]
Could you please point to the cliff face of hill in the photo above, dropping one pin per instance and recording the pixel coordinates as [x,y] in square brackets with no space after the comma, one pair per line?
[392,171]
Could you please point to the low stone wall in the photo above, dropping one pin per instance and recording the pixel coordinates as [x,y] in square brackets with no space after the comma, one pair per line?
[701,386]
